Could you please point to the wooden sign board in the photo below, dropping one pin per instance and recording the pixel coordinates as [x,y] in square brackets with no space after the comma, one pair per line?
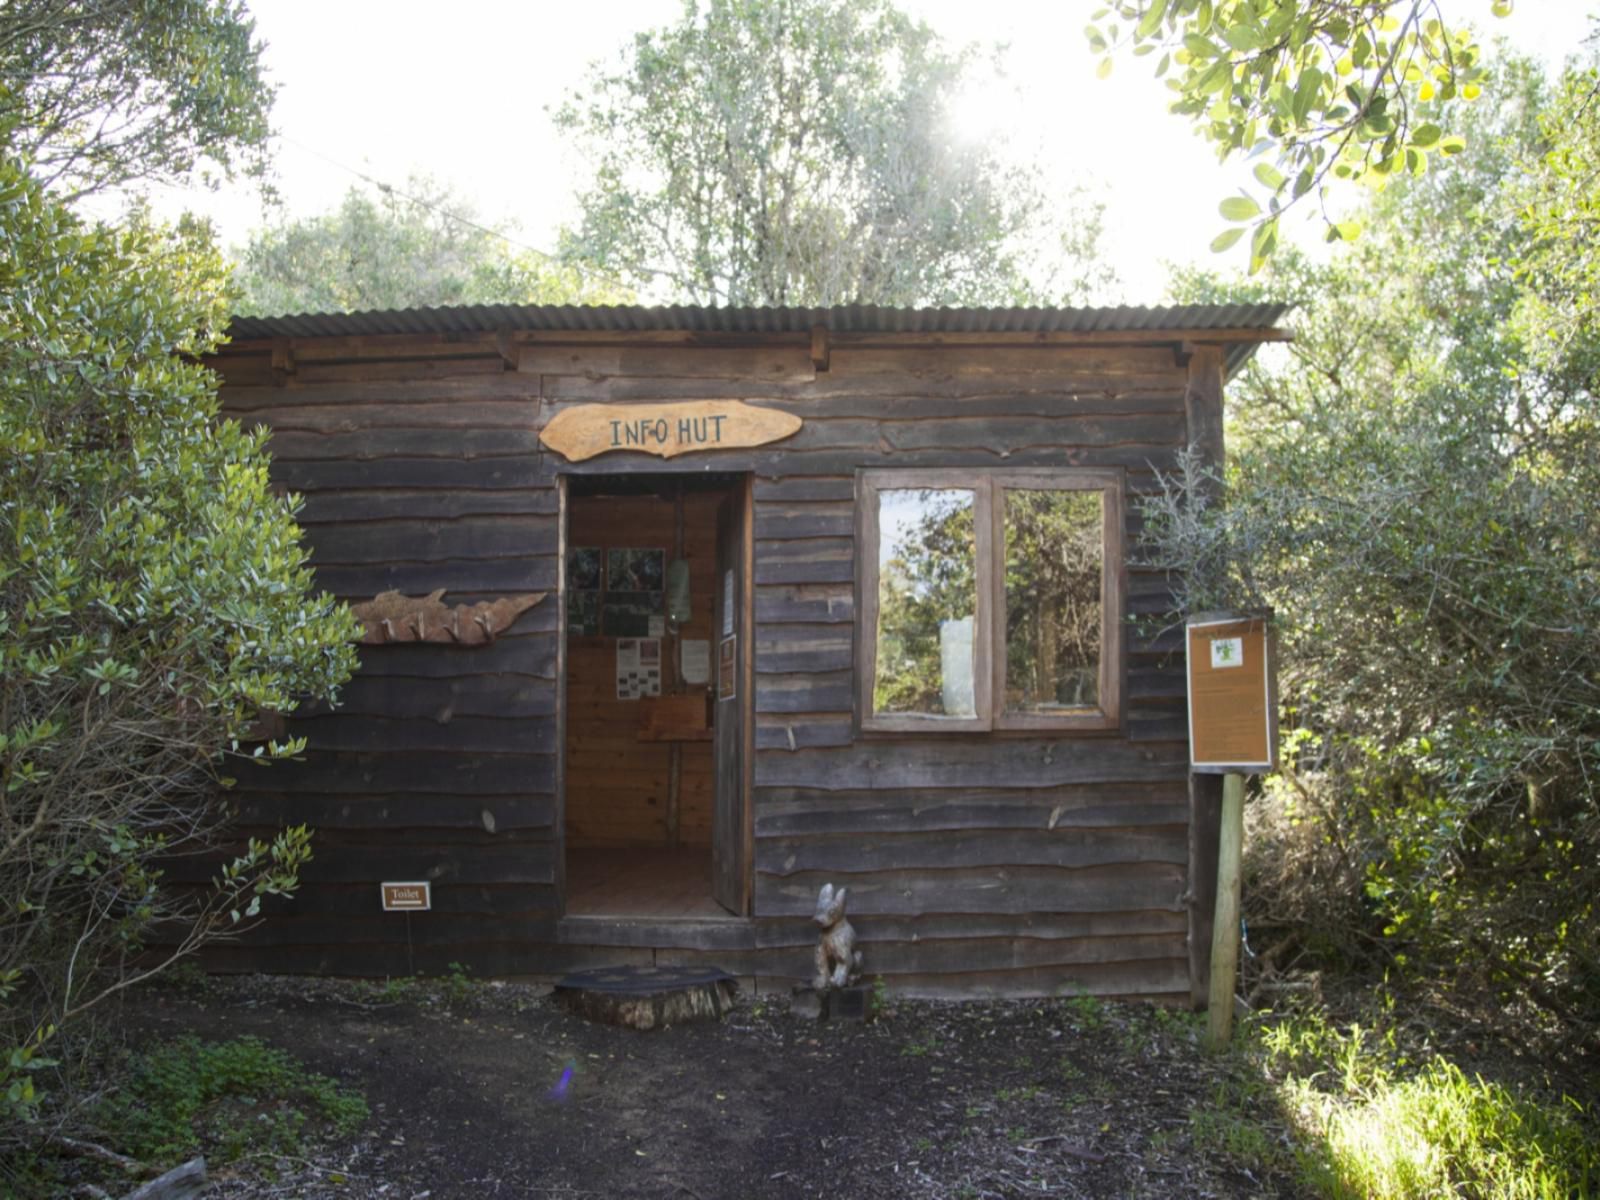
[667,430]
[407,897]
[1233,717]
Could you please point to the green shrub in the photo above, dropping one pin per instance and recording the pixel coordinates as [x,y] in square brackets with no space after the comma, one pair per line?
[154,600]
[226,1098]
[457,983]
[1411,488]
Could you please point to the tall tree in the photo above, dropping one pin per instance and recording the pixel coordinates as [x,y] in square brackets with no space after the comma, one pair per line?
[1560,316]
[799,152]
[101,94]
[1412,489]
[415,247]
[1330,89]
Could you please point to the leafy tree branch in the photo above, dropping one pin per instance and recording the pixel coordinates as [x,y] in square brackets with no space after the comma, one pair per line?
[1322,91]
[107,93]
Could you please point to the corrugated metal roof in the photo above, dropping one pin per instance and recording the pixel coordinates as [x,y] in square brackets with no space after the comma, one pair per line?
[854,318]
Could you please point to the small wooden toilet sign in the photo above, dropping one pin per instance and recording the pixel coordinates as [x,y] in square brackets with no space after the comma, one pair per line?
[413,896]
[1233,723]
[667,430]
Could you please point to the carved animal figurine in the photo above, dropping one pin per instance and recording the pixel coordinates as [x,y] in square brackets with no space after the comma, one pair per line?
[837,960]
[391,617]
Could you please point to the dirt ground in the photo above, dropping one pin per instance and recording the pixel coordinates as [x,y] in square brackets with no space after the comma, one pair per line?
[1050,1098]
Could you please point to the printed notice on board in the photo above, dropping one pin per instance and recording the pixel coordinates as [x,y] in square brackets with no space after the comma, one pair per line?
[638,668]
[694,660]
[1227,652]
[728,669]
[727,604]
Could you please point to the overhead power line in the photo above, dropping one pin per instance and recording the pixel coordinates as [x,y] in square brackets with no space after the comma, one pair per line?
[390,189]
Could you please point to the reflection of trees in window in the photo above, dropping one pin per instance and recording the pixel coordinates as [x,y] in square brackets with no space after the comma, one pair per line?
[927,595]
[1054,565]
[992,599]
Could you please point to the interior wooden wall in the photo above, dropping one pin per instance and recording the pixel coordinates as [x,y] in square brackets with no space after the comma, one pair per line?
[618,786]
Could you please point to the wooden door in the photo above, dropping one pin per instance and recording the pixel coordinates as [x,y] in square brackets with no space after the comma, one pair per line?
[730,814]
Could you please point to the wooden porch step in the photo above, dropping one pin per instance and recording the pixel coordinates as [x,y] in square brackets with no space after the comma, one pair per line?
[659,933]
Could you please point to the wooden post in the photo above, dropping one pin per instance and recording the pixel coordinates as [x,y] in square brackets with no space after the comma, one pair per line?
[1225,930]
[1202,403]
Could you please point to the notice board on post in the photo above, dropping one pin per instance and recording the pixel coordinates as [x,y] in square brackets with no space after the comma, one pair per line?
[1233,694]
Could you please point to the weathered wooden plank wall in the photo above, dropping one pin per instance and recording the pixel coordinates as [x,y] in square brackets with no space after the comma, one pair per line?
[979,864]
[440,763]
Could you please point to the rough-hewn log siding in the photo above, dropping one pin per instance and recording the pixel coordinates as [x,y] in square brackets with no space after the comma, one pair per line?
[977,865]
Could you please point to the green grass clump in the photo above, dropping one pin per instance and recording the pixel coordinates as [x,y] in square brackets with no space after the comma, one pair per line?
[229,1098]
[1440,1133]
[1372,1125]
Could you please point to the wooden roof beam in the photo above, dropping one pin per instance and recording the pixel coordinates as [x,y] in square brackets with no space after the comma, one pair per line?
[510,350]
[820,347]
[282,361]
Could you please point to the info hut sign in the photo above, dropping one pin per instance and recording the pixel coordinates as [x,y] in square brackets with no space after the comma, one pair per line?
[667,430]
[1233,724]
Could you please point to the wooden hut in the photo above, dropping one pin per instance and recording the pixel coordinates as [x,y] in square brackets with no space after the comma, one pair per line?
[842,595]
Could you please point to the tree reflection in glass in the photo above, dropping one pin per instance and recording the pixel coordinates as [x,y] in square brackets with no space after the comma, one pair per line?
[1054,560]
[927,598]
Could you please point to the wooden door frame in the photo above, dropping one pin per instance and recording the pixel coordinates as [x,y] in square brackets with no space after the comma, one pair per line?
[559,807]
[742,494]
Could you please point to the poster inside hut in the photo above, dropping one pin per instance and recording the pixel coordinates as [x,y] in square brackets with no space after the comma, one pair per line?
[634,593]
[629,570]
[694,660]
[584,565]
[638,668]
[629,614]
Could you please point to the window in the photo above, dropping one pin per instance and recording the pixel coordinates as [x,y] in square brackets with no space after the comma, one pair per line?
[989,599]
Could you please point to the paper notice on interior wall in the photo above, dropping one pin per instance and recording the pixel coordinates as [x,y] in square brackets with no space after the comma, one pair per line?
[694,660]
[727,604]
[728,669]
[638,668]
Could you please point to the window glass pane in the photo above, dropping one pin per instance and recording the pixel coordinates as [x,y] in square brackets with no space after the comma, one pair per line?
[1054,558]
[927,598]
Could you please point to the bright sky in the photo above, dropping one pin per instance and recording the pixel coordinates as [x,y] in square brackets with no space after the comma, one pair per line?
[385,87]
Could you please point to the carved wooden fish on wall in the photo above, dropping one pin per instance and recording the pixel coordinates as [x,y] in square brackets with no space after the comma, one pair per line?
[390,617]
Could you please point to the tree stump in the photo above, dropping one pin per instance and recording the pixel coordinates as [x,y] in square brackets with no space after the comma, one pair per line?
[648,997]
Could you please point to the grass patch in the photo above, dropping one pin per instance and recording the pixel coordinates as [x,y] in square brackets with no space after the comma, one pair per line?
[1230,1127]
[1372,1125]
[229,1099]
[1440,1133]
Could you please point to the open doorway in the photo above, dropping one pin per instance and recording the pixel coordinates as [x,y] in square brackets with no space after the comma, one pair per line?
[655,822]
